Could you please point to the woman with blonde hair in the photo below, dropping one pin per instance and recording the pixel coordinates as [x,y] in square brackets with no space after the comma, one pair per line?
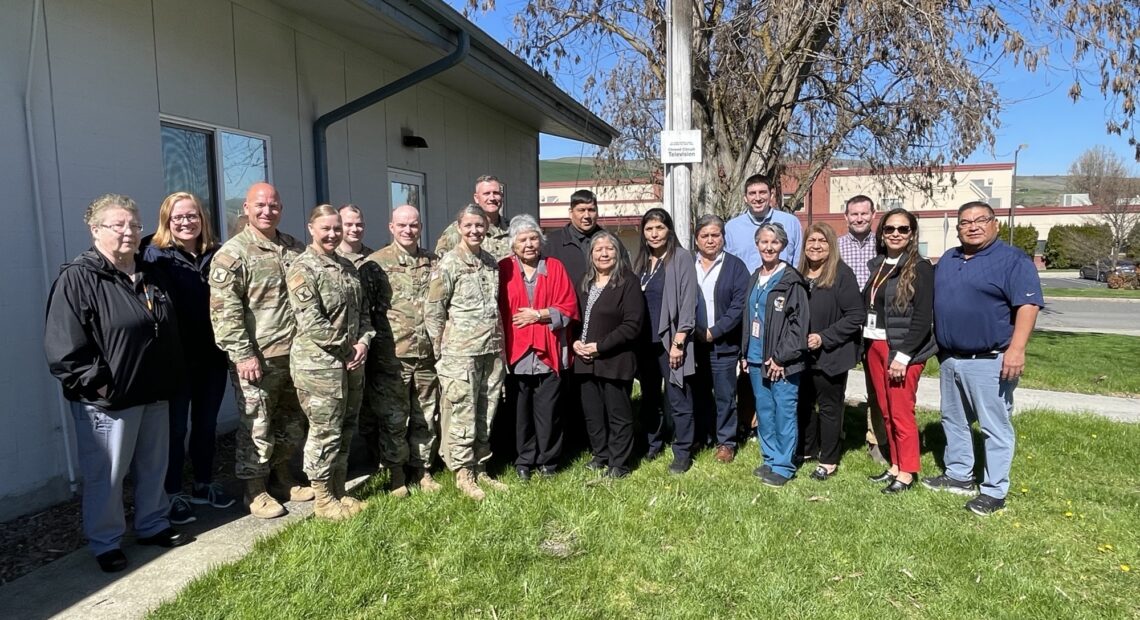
[326,358]
[182,249]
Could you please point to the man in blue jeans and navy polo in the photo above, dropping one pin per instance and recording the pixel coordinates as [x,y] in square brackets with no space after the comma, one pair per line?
[986,298]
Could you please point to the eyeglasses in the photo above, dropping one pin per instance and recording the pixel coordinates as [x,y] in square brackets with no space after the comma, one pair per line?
[188,218]
[902,230]
[122,227]
[981,221]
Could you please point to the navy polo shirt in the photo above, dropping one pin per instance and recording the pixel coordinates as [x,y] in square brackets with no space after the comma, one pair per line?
[974,300]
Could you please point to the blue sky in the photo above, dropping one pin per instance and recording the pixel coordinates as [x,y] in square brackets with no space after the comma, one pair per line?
[1039,114]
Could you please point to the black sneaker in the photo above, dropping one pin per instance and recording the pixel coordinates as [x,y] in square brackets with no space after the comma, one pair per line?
[946,483]
[680,466]
[772,479]
[597,464]
[181,512]
[212,494]
[112,561]
[523,472]
[983,505]
[761,471]
[547,471]
[617,472]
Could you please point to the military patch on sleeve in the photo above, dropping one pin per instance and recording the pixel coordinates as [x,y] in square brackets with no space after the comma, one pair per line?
[219,275]
[304,294]
[300,288]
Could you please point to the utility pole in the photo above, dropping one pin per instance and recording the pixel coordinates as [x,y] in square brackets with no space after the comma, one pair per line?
[1013,190]
[679,113]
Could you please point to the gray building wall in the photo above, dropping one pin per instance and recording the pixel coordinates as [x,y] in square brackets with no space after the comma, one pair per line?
[103,75]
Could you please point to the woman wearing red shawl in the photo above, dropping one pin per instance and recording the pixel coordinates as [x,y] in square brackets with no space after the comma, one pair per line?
[537,302]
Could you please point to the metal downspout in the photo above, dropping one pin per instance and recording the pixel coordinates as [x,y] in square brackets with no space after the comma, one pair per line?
[321,125]
[62,405]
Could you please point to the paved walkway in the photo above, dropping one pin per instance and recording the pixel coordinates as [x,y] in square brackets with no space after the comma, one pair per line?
[73,587]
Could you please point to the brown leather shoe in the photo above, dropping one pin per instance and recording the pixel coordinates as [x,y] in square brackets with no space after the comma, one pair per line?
[725,454]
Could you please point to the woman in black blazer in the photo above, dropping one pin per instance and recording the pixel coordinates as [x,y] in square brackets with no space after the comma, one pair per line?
[612,315]
[723,283]
[833,342]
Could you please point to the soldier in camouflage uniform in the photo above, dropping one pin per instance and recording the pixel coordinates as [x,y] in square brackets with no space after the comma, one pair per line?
[327,358]
[404,397]
[463,323]
[352,247]
[489,196]
[253,323]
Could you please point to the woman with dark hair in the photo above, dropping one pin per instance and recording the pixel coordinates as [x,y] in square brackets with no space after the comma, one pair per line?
[112,341]
[833,345]
[668,280]
[539,304]
[182,248]
[326,358]
[723,282]
[899,335]
[605,362]
[773,351]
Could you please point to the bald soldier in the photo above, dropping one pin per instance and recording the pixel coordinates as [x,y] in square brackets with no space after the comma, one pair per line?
[489,197]
[404,398]
[254,324]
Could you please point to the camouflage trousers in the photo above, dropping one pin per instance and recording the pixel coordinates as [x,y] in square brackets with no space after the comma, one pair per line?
[270,418]
[331,400]
[402,403]
[470,387]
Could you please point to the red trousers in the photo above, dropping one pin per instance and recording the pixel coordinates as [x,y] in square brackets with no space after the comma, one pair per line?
[896,399]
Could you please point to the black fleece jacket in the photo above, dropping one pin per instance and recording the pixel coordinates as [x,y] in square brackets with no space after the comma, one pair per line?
[107,334]
[787,316]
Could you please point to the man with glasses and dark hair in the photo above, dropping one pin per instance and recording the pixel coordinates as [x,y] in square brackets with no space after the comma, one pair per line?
[986,298]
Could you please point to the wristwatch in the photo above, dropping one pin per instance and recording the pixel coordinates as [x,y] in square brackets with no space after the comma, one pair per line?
[678,345]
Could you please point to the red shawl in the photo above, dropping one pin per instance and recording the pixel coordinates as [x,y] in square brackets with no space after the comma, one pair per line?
[552,290]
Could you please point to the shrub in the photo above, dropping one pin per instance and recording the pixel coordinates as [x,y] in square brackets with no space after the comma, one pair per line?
[1024,237]
[1073,245]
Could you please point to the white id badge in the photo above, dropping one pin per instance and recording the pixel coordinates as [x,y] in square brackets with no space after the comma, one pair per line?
[871,322]
[755,329]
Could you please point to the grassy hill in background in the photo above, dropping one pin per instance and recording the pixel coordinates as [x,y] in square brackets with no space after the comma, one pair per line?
[581,169]
[1033,191]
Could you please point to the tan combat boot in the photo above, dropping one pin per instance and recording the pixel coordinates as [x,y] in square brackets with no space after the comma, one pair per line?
[327,505]
[484,478]
[398,482]
[261,504]
[426,482]
[285,485]
[353,505]
[465,482]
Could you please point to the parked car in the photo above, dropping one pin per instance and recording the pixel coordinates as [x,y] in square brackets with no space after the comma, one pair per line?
[1100,270]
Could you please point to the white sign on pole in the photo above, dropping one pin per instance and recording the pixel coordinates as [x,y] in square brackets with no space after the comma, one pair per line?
[681,146]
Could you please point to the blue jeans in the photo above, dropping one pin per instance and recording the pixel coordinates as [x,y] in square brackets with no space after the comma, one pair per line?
[716,417]
[973,390]
[776,420]
[110,444]
[198,403]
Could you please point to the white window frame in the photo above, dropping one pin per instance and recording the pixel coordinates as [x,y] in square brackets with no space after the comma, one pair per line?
[214,128]
[407,177]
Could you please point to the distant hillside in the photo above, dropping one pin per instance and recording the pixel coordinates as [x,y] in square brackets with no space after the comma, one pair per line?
[1041,190]
[579,169]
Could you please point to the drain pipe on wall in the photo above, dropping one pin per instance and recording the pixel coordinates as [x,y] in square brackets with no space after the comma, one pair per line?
[321,125]
[37,198]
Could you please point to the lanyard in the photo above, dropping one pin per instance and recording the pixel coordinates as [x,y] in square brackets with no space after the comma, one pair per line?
[877,282]
[647,278]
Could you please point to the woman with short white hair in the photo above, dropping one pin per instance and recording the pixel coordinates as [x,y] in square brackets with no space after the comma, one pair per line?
[538,303]
[111,340]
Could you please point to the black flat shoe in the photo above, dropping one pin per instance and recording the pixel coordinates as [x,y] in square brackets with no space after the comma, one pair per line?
[166,538]
[596,464]
[112,561]
[883,477]
[524,473]
[898,487]
[822,474]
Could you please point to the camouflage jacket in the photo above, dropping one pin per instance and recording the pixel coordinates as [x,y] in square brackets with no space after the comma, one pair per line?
[463,304]
[249,303]
[356,259]
[495,242]
[328,299]
[400,284]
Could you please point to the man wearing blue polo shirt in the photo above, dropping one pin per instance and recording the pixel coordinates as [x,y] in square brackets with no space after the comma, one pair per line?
[740,231]
[986,298]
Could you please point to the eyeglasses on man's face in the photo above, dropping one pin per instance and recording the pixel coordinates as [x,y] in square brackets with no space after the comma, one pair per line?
[981,221]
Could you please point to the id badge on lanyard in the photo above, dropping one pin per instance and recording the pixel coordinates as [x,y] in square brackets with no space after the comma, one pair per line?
[872,320]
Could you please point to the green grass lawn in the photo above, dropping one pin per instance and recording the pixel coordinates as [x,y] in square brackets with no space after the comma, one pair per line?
[1104,364]
[1105,292]
[714,543]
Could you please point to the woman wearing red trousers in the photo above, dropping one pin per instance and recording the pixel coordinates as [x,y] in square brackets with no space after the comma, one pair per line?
[899,297]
